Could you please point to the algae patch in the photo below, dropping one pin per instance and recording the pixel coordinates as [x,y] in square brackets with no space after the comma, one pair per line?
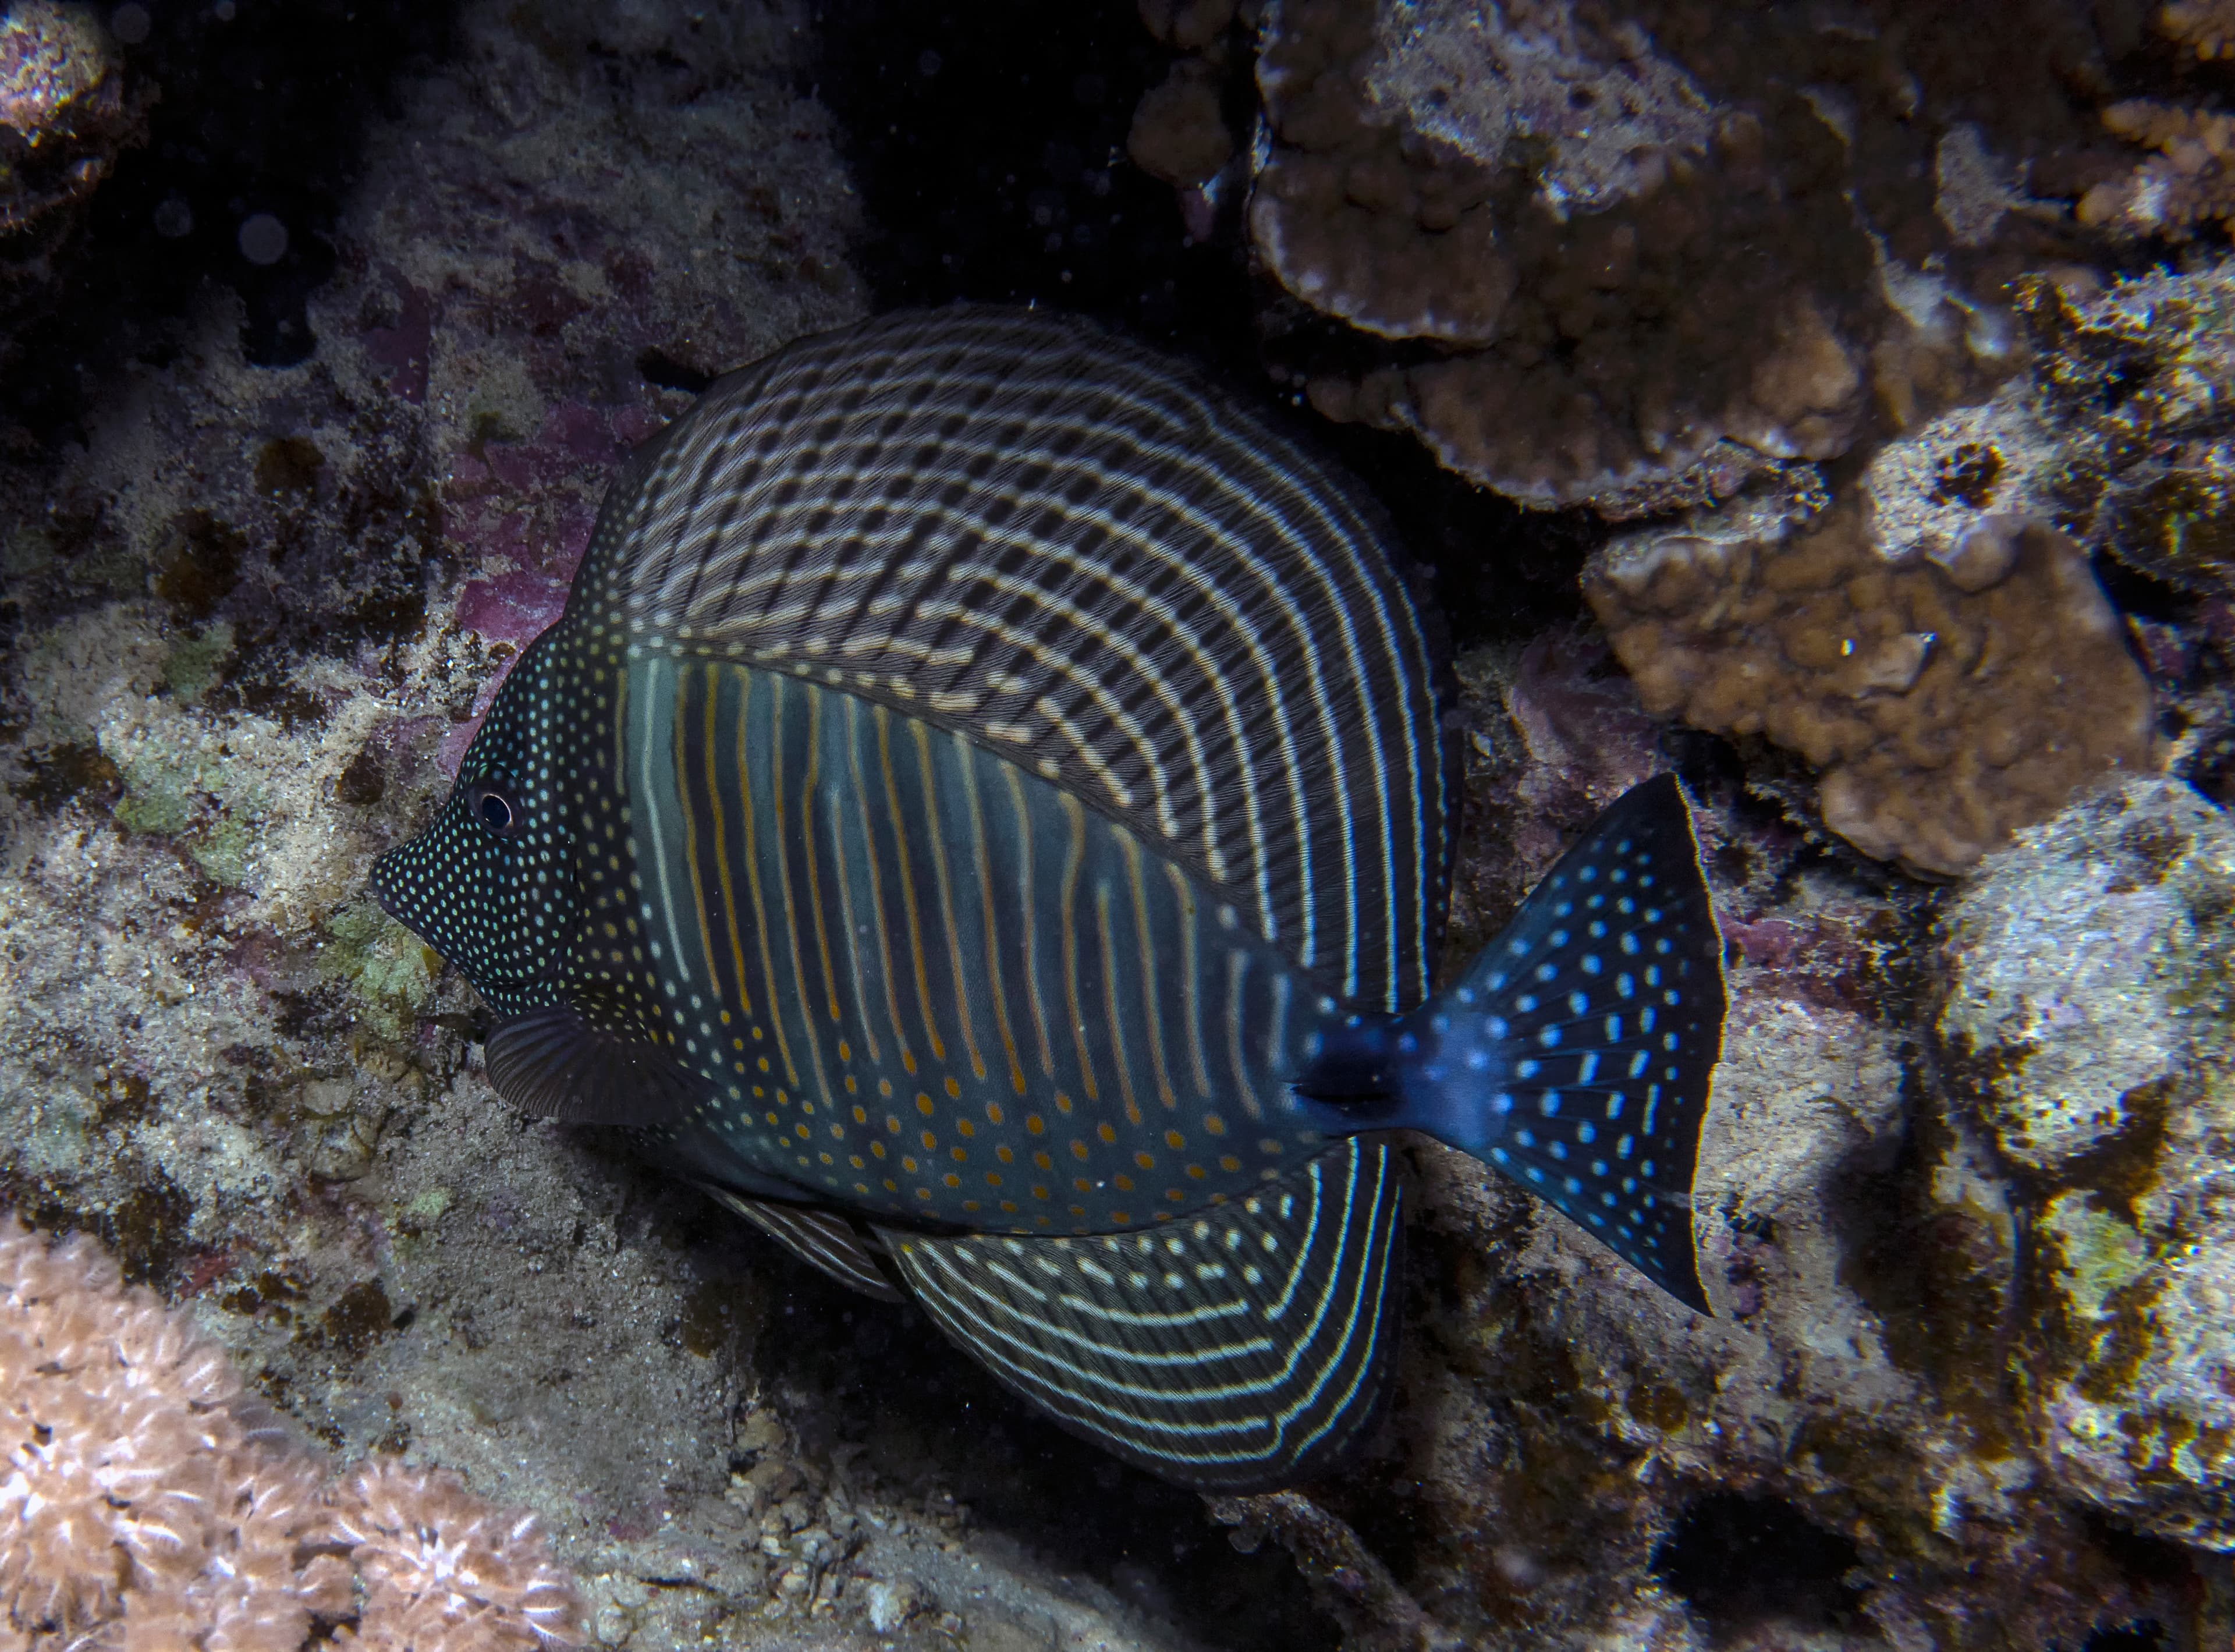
[389,967]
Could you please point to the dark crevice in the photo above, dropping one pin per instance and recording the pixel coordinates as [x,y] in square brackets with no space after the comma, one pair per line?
[2146,1635]
[261,115]
[1741,1561]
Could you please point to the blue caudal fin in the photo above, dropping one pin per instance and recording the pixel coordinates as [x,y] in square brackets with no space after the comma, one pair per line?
[1576,1051]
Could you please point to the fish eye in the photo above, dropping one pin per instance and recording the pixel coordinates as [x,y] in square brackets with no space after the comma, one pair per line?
[494,805]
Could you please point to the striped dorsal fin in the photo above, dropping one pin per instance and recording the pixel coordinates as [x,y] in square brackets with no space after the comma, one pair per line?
[1239,1350]
[1088,557]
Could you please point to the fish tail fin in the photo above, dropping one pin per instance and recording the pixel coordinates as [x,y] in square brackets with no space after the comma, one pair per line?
[1576,1052]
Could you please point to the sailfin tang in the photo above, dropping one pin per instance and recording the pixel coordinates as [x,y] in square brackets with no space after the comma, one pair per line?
[1576,1053]
[821,1238]
[553,1064]
[1241,1349]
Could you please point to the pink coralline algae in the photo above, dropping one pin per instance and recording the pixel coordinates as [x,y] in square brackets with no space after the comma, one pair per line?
[522,513]
[527,509]
[402,350]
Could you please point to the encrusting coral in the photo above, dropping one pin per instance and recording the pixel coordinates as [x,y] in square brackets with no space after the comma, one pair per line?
[1616,343]
[2138,390]
[143,1504]
[1948,698]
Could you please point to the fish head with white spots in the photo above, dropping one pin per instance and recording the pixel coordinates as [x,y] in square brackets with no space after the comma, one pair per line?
[492,884]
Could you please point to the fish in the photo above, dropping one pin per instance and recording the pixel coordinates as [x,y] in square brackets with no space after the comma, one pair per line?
[986,815]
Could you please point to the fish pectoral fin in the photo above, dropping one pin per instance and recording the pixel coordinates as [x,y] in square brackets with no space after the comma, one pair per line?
[551,1063]
[1242,1347]
[822,1238]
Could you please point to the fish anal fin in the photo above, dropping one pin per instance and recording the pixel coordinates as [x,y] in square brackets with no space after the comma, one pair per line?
[1240,1349]
[551,1063]
[822,1239]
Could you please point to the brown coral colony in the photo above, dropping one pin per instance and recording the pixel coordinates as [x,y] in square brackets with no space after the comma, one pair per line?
[1627,259]
[1946,701]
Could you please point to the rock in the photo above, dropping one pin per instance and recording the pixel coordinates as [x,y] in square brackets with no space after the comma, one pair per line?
[889,1604]
[2088,974]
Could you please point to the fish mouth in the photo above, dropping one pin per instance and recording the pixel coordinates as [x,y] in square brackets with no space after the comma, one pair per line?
[385,900]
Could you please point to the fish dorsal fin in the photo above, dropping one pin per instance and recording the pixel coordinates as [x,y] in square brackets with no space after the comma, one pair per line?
[1240,1349]
[1093,560]
[551,1063]
[821,1238]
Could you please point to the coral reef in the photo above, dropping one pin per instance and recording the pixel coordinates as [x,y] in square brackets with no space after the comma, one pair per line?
[1947,697]
[1603,294]
[140,1492]
[2086,1012]
[2191,180]
[256,596]
[251,614]
[438,1565]
[64,115]
[2137,399]
[1179,134]
[2205,27]
[1622,257]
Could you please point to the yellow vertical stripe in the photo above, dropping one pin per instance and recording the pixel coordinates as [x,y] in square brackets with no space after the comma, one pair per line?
[907,883]
[1144,944]
[1111,1018]
[940,876]
[968,761]
[714,787]
[849,931]
[690,817]
[801,995]
[753,878]
[807,846]
[1191,913]
[1075,851]
[854,714]
[1031,921]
